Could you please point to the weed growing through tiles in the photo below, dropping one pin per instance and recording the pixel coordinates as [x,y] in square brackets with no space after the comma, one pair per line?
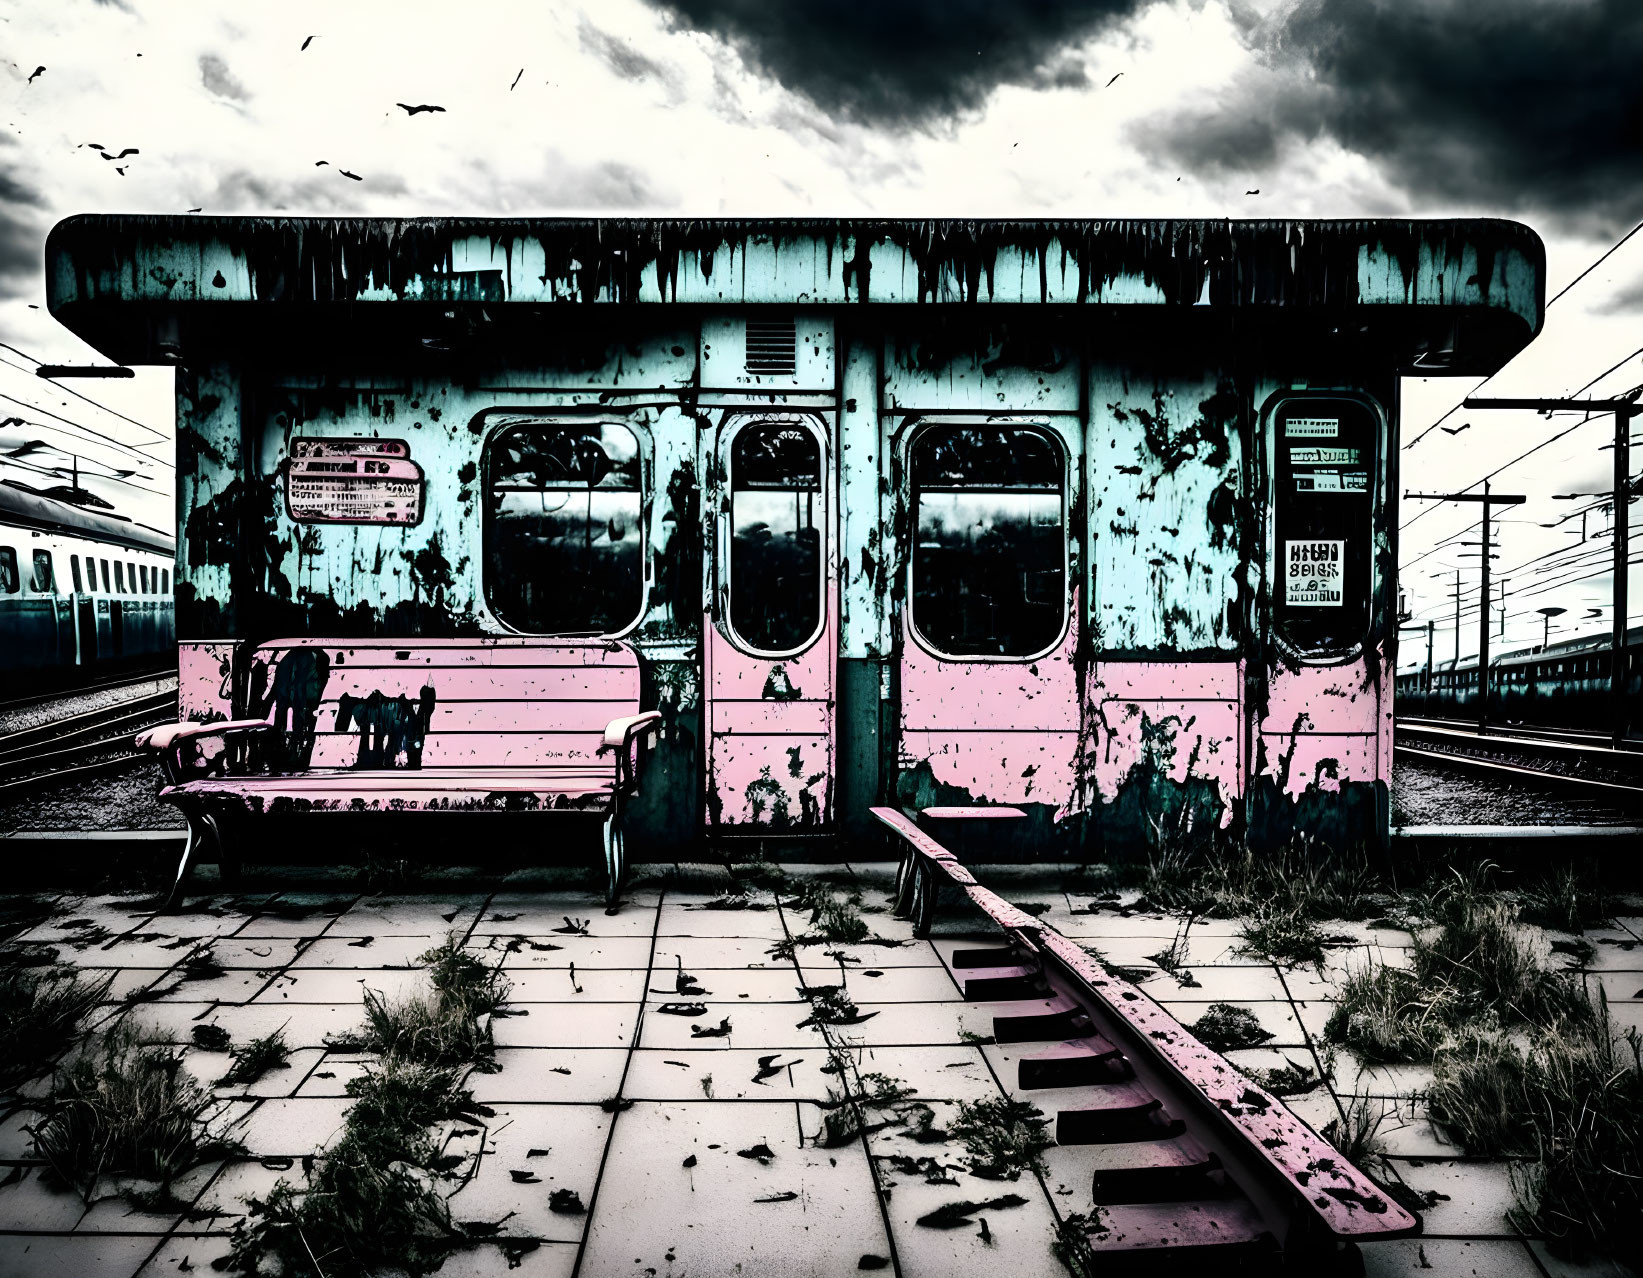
[42,1012]
[1290,1079]
[125,1106]
[1225,1026]
[1568,899]
[1571,1101]
[1385,1015]
[449,1025]
[1072,1243]
[1357,1133]
[1004,1137]
[1173,957]
[258,1057]
[375,1201]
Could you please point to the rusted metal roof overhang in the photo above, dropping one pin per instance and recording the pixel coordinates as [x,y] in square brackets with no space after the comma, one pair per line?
[1470,293]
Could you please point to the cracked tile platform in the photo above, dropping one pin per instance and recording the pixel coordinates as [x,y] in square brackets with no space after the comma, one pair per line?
[592,1032]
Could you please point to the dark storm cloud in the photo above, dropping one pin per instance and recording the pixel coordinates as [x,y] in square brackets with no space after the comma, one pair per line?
[904,61]
[214,74]
[22,224]
[1518,104]
[620,56]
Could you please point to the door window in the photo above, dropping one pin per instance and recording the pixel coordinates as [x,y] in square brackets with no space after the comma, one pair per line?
[775,536]
[989,576]
[44,582]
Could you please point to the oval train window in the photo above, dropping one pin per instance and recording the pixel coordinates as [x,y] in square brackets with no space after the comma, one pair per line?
[775,536]
[990,560]
[564,545]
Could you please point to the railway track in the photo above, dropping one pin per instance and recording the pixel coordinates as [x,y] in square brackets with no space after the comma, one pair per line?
[92,743]
[1193,1167]
[72,690]
[1568,761]
[1518,731]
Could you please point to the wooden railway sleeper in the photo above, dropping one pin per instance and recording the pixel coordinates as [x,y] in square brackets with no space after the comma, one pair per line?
[1191,1167]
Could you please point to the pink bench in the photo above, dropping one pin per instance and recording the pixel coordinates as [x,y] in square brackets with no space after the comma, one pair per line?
[408,725]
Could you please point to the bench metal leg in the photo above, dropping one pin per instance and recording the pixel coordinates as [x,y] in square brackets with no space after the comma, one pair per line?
[925,888]
[615,861]
[906,871]
[203,833]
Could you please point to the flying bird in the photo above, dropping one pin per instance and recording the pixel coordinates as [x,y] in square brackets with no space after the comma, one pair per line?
[515,83]
[1256,191]
[347,174]
[305,44]
[1593,612]
[417,110]
[1114,80]
[1455,430]
[37,72]
[199,210]
[130,150]
[320,164]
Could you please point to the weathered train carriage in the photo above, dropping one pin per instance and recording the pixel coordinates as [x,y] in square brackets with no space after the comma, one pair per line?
[1090,520]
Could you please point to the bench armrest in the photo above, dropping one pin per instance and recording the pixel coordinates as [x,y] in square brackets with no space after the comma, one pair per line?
[178,744]
[628,736]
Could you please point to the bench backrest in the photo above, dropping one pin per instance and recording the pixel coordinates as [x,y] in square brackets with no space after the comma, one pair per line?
[441,703]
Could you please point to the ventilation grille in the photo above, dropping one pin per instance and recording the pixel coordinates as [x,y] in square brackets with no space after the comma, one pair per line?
[772,346]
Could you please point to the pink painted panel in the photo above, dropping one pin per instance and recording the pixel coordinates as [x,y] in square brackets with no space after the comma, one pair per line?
[1320,760]
[1172,681]
[1332,698]
[803,717]
[737,676]
[469,683]
[938,692]
[501,716]
[471,652]
[473,749]
[772,783]
[204,683]
[1167,729]
[998,767]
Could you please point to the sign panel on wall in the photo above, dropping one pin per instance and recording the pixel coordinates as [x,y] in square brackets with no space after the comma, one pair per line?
[353,481]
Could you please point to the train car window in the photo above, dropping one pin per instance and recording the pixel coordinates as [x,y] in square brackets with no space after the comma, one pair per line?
[74,571]
[91,573]
[119,578]
[45,581]
[142,571]
[106,578]
[131,576]
[165,581]
[990,561]
[9,582]
[1325,458]
[775,538]
[564,542]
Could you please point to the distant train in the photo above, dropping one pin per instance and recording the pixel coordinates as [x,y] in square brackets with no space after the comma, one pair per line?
[79,588]
[1562,685]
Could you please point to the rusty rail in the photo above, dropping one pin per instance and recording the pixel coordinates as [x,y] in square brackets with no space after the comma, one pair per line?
[1198,1163]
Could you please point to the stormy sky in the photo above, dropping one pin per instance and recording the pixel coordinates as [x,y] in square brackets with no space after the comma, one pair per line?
[1530,109]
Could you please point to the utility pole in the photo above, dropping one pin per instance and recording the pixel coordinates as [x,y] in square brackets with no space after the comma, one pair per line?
[1624,410]
[1490,500]
[1429,657]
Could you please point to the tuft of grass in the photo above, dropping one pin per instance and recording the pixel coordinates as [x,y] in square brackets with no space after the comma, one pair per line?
[125,1106]
[256,1058]
[1385,1015]
[1173,957]
[1285,933]
[42,1012]
[1004,1137]
[210,1038]
[374,1201]
[1225,1026]
[202,965]
[1565,900]
[1072,1243]
[450,1025]
[1290,1079]
[1357,1133]
[1480,954]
